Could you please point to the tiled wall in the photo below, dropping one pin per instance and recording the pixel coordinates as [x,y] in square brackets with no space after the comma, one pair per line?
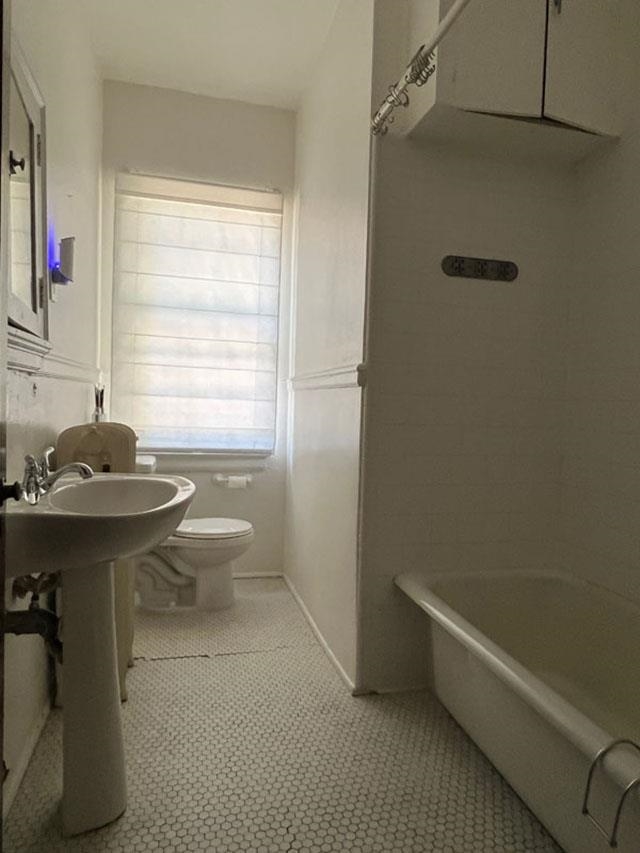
[464,404]
[502,421]
[601,495]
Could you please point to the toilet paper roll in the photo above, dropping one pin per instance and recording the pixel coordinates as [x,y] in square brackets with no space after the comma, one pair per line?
[237,481]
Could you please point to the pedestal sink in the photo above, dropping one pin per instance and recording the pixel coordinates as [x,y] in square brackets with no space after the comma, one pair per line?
[79,528]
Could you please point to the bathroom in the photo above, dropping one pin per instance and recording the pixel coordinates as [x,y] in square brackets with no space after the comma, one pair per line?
[424,422]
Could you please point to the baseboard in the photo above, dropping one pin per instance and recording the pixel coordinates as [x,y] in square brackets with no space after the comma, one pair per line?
[16,773]
[318,633]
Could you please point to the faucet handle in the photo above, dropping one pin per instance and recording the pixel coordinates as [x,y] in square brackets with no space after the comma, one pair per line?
[45,462]
[31,463]
[32,481]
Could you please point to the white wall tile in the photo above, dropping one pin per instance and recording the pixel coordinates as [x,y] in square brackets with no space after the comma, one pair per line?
[466,382]
[503,422]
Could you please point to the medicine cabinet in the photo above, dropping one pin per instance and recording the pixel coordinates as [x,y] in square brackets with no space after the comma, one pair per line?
[28,273]
[547,62]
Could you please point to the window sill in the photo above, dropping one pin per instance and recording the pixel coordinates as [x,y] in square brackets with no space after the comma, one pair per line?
[189,461]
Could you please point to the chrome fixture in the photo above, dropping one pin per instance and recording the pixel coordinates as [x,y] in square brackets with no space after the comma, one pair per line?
[85,471]
[45,461]
[38,477]
[421,67]
[610,835]
[98,412]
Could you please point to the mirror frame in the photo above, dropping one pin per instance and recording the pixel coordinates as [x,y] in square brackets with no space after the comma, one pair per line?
[27,317]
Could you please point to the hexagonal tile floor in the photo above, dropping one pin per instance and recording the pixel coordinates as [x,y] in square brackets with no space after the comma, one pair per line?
[253,745]
[264,618]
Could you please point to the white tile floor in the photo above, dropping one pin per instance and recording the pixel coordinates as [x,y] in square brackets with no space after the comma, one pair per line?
[241,737]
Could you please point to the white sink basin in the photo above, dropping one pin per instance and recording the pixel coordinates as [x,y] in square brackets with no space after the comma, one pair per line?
[126,494]
[79,528]
[84,522]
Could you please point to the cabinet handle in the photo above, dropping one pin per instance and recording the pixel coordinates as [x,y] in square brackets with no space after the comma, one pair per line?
[558,5]
[15,164]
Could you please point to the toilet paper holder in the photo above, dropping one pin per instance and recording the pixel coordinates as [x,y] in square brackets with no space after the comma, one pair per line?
[233,481]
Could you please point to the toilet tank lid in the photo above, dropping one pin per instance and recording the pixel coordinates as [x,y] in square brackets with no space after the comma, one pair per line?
[213,528]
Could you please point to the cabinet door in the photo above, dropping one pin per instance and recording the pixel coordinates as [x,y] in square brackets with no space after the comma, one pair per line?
[492,60]
[581,73]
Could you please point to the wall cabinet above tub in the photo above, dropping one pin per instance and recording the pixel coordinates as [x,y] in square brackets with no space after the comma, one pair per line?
[544,60]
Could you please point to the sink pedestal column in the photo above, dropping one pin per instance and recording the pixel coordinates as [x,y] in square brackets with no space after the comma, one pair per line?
[94,786]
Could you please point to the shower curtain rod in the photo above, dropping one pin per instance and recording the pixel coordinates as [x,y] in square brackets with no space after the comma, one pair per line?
[417,72]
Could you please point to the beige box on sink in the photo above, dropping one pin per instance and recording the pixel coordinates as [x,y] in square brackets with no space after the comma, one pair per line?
[104,446]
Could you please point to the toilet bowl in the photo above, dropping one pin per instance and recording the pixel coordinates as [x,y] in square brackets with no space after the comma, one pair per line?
[203,549]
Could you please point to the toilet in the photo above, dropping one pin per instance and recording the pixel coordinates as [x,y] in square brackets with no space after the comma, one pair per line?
[200,550]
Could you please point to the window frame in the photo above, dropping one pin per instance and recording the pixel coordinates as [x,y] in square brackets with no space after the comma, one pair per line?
[130,183]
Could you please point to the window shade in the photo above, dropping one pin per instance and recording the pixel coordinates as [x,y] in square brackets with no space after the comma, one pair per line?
[195,315]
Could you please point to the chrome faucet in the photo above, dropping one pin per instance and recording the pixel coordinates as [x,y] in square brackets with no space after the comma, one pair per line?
[45,461]
[38,477]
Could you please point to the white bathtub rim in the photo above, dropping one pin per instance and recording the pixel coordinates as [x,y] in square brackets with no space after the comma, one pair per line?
[582,732]
[629,604]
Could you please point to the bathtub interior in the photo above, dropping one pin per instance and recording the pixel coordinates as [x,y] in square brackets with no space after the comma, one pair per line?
[580,639]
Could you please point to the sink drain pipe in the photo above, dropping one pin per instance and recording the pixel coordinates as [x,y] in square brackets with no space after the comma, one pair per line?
[36,619]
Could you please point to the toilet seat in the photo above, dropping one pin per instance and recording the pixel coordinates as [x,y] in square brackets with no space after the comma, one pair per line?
[213,528]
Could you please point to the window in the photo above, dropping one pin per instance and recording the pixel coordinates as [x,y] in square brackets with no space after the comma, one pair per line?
[195,314]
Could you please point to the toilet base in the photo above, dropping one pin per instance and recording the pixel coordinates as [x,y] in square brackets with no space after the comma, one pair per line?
[214,587]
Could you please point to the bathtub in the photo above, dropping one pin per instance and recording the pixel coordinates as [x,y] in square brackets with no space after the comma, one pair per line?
[543,671]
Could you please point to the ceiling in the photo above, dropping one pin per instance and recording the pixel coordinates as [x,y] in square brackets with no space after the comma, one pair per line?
[260,51]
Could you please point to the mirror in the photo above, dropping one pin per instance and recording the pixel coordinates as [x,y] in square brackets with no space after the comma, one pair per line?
[28,293]
[20,199]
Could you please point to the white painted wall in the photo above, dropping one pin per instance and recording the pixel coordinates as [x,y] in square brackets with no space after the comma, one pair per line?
[173,134]
[601,476]
[39,407]
[332,162]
